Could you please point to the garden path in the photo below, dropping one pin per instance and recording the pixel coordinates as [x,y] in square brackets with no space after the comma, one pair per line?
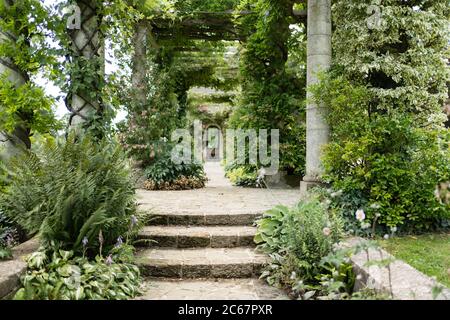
[204,237]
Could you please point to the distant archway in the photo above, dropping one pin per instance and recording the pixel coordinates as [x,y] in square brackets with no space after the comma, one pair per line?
[213,143]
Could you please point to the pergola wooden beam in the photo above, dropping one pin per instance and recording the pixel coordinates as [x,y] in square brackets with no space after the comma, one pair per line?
[211,26]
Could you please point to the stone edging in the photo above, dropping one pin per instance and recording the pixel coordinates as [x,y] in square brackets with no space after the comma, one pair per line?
[400,279]
[12,270]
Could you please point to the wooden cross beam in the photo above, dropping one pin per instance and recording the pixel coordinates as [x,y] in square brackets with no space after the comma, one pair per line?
[211,26]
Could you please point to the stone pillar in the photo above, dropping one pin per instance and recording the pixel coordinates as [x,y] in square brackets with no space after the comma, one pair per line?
[84,103]
[139,76]
[318,59]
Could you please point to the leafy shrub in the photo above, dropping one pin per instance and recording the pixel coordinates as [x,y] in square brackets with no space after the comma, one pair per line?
[63,276]
[385,94]
[395,168]
[383,162]
[297,239]
[243,176]
[272,95]
[72,191]
[306,258]
[164,174]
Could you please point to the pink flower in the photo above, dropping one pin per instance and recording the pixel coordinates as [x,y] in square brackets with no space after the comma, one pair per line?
[326,231]
[360,215]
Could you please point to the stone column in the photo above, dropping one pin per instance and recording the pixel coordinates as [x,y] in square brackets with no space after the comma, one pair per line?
[84,103]
[139,76]
[318,59]
[11,144]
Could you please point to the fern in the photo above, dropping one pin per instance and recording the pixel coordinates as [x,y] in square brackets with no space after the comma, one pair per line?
[70,191]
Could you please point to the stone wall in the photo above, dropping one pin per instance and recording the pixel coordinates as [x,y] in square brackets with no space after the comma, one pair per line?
[12,270]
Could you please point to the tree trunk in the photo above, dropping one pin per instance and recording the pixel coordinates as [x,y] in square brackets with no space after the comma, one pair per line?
[11,143]
[84,102]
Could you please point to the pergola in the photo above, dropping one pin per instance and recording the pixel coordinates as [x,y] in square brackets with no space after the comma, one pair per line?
[210,26]
[216,26]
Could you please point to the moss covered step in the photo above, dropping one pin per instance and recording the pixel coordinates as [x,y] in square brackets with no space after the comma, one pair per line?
[198,237]
[208,219]
[201,263]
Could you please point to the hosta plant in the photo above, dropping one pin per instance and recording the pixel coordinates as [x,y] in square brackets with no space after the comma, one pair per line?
[63,276]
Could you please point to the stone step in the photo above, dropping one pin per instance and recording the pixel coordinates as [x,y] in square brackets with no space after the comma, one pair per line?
[198,237]
[207,289]
[209,219]
[201,263]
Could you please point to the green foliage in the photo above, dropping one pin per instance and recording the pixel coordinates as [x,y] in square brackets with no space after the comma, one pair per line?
[217,119]
[272,95]
[385,92]
[27,106]
[385,164]
[297,239]
[164,173]
[25,50]
[215,98]
[404,61]
[243,176]
[3,176]
[63,276]
[429,253]
[306,258]
[149,126]
[72,191]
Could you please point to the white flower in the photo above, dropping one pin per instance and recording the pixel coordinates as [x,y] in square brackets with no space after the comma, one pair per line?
[386,237]
[360,215]
[326,231]
[394,229]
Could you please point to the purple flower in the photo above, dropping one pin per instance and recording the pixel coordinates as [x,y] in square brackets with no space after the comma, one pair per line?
[109,261]
[9,240]
[119,242]
[85,242]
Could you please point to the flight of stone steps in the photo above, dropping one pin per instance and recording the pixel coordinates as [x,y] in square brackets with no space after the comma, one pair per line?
[201,241]
[201,248]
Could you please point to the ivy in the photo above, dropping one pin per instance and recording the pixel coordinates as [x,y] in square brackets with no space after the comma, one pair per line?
[24,52]
[272,95]
[27,99]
